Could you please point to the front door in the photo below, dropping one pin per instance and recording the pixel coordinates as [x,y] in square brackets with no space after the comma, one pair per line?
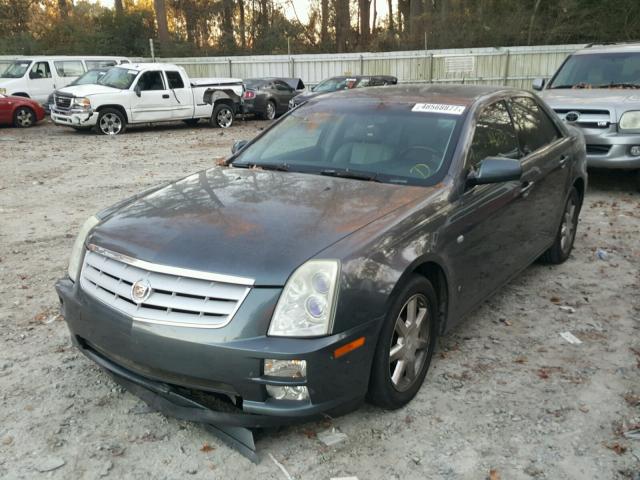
[154,103]
[545,173]
[41,82]
[283,93]
[484,235]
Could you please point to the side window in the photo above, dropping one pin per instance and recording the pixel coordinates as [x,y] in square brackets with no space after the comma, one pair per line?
[91,64]
[535,128]
[282,86]
[494,135]
[151,81]
[40,70]
[175,80]
[71,68]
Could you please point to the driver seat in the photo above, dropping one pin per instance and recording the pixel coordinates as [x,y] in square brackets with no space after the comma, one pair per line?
[363,146]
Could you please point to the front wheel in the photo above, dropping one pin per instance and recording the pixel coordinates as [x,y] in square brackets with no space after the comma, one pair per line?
[24,117]
[222,116]
[111,122]
[405,345]
[563,243]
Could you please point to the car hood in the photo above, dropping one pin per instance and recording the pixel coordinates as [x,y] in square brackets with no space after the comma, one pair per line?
[305,96]
[87,90]
[249,223]
[617,101]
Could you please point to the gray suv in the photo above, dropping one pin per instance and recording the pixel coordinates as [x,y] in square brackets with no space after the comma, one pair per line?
[598,90]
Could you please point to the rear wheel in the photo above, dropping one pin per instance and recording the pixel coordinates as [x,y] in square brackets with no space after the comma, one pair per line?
[563,244]
[111,122]
[24,117]
[405,345]
[270,110]
[222,116]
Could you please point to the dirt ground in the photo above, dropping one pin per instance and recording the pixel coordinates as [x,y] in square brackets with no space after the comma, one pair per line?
[505,392]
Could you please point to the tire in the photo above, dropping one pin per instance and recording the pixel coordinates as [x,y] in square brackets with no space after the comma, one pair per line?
[563,243]
[192,122]
[111,122]
[391,386]
[222,116]
[24,117]
[269,110]
[638,180]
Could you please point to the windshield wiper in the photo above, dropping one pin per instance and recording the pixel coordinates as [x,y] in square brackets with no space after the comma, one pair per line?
[619,85]
[349,174]
[279,167]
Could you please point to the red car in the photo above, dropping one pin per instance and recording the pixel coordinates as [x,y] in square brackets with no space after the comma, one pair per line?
[20,112]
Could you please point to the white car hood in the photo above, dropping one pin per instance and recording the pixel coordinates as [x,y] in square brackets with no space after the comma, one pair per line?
[88,90]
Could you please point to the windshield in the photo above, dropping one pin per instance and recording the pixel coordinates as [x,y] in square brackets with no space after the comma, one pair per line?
[116,77]
[599,70]
[369,140]
[334,84]
[90,77]
[16,69]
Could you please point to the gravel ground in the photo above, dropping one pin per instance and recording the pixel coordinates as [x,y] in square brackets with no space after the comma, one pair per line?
[506,396]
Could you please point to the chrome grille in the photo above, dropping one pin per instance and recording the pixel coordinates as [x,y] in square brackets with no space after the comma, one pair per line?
[62,101]
[178,297]
[586,118]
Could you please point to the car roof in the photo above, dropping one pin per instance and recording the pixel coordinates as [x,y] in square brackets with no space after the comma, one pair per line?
[144,66]
[421,93]
[610,48]
[66,57]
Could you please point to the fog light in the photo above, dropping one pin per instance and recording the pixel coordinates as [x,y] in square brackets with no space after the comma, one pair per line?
[288,393]
[635,150]
[285,368]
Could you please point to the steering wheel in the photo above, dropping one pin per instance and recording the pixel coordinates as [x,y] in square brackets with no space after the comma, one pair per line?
[422,169]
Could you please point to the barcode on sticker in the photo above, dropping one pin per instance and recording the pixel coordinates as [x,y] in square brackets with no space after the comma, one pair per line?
[438,108]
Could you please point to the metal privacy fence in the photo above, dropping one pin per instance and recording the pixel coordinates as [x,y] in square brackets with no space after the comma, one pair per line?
[513,66]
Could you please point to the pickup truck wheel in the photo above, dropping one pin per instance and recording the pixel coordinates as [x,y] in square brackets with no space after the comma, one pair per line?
[270,110]
[24,117]
[111,122]
[222,116]
[405,346]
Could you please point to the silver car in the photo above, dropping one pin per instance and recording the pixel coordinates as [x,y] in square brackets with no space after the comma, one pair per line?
[598,90]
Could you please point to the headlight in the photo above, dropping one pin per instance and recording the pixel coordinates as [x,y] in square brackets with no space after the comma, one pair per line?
[83,103]
[3,91]
[630,121]
[78,247]
[307,303]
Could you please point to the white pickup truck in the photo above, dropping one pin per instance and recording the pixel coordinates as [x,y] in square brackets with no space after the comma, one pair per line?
[147,93]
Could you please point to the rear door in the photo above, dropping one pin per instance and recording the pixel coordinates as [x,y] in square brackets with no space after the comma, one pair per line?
[484,249]
[154,103]
[41,82]
[181,97]
[283,93]
[545,171]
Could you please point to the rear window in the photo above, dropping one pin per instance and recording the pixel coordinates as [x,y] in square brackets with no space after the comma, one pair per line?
[175,80]
[69,68]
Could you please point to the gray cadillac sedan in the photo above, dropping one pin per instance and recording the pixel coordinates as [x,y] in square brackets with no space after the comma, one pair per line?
[318,265]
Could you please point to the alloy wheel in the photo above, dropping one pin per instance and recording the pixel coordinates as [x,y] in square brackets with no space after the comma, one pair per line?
[24,117]
[409,343]
[110,124]
[568,228]
[271,111]
[225,118]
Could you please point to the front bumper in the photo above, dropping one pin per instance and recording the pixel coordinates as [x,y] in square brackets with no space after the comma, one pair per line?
[74,118]
[610,148]
[211,363]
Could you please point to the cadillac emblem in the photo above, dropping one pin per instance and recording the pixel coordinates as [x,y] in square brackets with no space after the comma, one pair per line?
[140,291]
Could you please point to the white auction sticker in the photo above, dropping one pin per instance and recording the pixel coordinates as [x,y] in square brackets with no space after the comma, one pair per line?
[438,108]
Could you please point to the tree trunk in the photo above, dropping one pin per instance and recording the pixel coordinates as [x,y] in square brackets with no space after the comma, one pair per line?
[415,22]
[228,40]
[118,7]
[532,20]
[342,24]
[63,8]
[375,16]
[391,26]
[243,26]
[161,19]
[365,18]
[324,25]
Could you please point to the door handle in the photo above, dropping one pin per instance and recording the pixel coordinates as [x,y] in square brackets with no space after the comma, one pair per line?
[564,159]
[526,189]
[165,95]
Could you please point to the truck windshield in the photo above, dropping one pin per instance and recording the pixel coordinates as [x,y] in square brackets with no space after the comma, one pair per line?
[365,140]
[89,77]
[16,69]
[117,77]
[600,70]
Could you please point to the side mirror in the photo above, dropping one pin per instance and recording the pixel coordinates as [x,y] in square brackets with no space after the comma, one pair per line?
[239,145]
[538,84]
[138,90]
[495,170]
